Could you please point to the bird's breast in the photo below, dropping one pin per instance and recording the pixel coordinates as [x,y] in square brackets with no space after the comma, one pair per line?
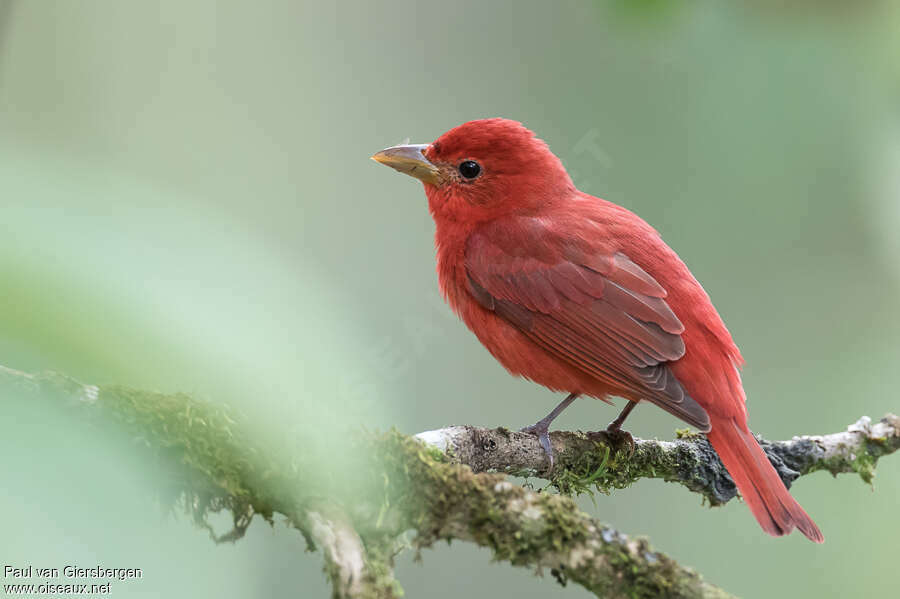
[508,345]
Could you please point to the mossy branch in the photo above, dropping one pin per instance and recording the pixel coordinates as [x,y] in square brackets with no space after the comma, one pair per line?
[399,484]
[594,460]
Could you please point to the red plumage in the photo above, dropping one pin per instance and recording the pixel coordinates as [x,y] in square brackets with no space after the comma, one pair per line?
[581,295]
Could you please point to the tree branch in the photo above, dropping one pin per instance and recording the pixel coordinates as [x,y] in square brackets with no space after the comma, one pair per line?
[353,572]
[542,530]
[593,459]
[442,489]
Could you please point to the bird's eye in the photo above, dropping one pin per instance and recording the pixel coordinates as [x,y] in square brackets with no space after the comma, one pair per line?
[469,169]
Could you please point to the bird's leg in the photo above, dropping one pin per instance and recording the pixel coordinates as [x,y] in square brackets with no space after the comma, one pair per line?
[616,425]
[614,430]
[541,428]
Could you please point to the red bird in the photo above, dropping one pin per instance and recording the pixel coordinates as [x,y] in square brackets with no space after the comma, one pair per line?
[581,295]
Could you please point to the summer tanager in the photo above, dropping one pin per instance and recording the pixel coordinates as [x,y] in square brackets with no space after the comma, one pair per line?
[581,295]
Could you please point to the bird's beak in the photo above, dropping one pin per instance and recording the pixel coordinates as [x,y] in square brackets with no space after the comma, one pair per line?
[410,160]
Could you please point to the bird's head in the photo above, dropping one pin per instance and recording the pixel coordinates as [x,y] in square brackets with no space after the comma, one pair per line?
[483,169]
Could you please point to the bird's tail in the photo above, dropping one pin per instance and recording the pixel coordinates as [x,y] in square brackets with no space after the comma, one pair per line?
[760,486]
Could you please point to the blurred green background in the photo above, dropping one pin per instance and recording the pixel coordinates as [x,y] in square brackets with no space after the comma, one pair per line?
[187,204]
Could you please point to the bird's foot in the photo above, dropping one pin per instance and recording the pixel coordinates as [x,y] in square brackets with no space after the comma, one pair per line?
[619,439]
[542,431]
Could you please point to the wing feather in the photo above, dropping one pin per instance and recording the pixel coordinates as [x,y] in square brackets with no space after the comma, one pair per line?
[601,313]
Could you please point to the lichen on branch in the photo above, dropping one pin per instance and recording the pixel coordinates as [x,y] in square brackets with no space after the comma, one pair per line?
[593,460]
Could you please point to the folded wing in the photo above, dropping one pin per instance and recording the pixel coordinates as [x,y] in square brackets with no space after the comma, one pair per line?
[601,313]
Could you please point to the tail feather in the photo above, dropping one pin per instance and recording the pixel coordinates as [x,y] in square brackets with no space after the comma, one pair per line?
[777,512]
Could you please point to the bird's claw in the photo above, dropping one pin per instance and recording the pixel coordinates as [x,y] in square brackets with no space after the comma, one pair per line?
[618,439]
[542,431]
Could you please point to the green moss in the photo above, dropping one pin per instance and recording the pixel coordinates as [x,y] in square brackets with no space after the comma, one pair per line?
[431,491]
[380,553]
[605,467]
[448,500]
[218,465]
[688,434]
[588,472]
[863,463]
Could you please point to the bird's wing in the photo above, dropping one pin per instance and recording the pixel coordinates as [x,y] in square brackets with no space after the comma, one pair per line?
[599,312]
